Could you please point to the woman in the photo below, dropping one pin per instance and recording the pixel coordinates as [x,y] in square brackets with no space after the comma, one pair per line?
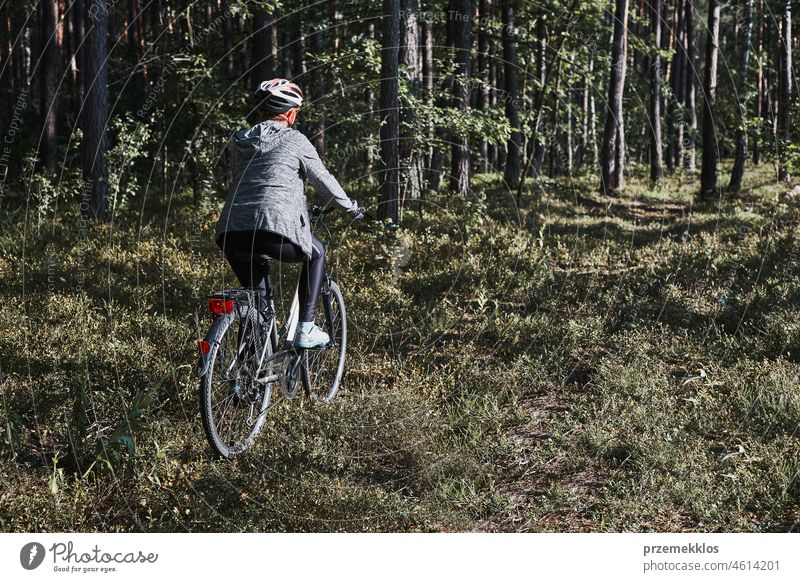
[266,211]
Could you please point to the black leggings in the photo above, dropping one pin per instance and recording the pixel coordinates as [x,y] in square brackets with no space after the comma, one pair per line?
[252,274]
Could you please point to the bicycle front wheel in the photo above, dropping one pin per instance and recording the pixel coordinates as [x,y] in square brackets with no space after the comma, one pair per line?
[323,368]
[234,397]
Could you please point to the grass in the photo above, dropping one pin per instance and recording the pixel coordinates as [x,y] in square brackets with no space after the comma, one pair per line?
[580,363]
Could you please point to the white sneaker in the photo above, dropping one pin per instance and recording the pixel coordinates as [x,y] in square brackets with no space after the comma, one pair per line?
[313,338]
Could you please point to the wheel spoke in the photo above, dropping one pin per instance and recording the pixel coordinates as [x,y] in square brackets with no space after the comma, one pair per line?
[323,368]
[232,417]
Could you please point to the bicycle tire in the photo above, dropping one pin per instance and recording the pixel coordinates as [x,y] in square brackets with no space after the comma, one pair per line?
[325,367]
[257,395]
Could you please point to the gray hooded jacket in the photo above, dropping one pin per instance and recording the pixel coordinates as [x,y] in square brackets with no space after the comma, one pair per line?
[270,164]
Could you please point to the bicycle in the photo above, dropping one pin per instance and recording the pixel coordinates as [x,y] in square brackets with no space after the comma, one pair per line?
[244,355]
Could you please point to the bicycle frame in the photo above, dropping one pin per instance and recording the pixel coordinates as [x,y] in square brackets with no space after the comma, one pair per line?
[288,329]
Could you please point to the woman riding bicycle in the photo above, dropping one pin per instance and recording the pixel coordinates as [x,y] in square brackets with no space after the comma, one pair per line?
[266,212]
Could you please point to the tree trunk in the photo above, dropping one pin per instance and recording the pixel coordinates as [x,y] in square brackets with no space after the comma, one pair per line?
[318,91]
[683,64]
[757,111]
[369,97]
[570,145]
[262,65]
[461,12]
[785,92]
[333,25]
[484,46]
[655,97]
[585,108]
[553,136]
[735,185]
[78,58]
[135,50]
[227,34]
[49,77]
[611,158]
[671,43]
[708,172]
[690,139]
[299,57]
[389,111]
[409,58]
[95,139]
[541,73]
[285,55]
[512,167]
[493,84]
[427,77]
[593,123]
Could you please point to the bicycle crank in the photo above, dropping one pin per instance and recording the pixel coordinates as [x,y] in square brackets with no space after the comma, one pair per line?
[292,384]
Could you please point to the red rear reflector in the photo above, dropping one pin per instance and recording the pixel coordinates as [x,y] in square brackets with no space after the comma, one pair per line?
[220,306]
[205,347]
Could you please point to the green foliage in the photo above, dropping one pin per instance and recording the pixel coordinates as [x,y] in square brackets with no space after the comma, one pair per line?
[122,442]
[131,146]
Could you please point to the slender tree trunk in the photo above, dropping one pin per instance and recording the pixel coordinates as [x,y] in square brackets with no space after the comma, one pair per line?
[333,23]
[541,63]
[135,52]
[318,92]
[655,97]
[758,112]
[273,46]
[427,76]
[285,55]
[690,100]
[78,58]
[227,34]
[369,96]
[484,44]
[49,78]
[770,105]
[156,20]
[611,159]
[708,173]
[785,92]
[671,43]
[14,52]
[735,185]
[570,145]
[263,64]
[7,48]
[299,58]
[593,123]
[443,100]
[512,167]
[461,12]
[389,110]
[409,58]
[95,140]
[586,95]
[553,134]
[680,85]
[67,51]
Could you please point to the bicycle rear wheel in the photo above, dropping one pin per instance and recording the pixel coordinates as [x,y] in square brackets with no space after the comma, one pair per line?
[323,368]
[233,402]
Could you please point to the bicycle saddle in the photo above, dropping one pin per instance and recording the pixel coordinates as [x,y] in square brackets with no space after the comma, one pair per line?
[258,258]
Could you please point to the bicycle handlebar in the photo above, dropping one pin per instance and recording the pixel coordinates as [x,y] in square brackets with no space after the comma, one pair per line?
[317,212]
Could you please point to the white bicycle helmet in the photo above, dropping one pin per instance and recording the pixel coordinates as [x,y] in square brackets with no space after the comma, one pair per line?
[278,96]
